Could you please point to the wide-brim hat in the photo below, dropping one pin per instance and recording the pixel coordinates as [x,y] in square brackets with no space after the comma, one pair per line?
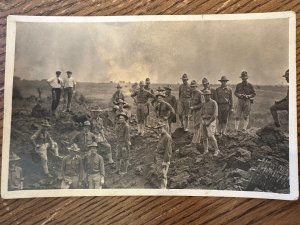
[244,74]
[121,101]
[160,94]
[122,114]
[14,157]
[159,89]
[205,81]
[86,123]
[184,77]
[159,125]
[286,74]
[206,92]
[94,144]
[74,147]
[223,78]
[168,87]
[69,72]
[194,84]
[45,123]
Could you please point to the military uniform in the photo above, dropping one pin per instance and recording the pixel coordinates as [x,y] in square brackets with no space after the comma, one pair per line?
[283,104]
[164,112]
[84,139]
[165,147]
[42,141]
[117,96]
[15,175]
[184,104]
[72,171]
[224,98]
[97,128]
[123,144]
[142,97]
[209,113]
[94,168]
[196,104]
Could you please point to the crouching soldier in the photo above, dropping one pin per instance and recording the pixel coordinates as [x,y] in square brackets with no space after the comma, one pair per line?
[164,147]
[209,113]
[123,145]
[94,167]
[72,169]
[15,176]
[97,128]
[283,104]
[42,140]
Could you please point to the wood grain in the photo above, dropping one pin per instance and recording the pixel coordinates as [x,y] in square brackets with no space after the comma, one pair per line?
[143,210]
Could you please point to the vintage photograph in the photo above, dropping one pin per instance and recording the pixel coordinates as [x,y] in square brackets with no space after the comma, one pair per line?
[151,105]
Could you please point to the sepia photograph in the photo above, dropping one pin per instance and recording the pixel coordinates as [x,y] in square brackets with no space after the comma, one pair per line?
[151,105]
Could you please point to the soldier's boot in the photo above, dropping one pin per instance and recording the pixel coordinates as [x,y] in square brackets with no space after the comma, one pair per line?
[215,145]
[224,128]
[205,145]
[245,124]
[110,160]
[181,121]
[139,128]
[236,125]
[142,129]
[126,166]
[186,123]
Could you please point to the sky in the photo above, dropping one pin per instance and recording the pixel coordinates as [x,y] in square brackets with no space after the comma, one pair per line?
[163,51]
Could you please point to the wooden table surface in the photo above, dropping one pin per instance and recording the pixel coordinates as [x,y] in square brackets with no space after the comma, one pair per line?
[142,210]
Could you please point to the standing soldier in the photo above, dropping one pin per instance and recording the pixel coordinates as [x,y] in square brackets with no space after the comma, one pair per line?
[209,113]
[164,147]
[224,99]
[171,99]
[97,128]
[197,101]
[72,169]
[245,93]
[69,89]
[94,168]
[56,83]
[164,111]
[185,93]
[15,175]
[206,86]
[148,88]
[42,140]
[123,143]
[118,95]
[283,104]
[141,97]
[85,137]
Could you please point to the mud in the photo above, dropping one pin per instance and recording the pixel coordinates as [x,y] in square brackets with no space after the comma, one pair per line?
[245,159]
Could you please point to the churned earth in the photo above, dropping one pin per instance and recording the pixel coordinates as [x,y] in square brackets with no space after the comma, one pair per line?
[257,160]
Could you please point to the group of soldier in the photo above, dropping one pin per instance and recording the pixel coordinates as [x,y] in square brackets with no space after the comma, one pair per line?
[209,109]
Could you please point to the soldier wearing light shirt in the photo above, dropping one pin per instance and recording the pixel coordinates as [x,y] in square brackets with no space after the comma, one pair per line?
[70,87]
[56,83]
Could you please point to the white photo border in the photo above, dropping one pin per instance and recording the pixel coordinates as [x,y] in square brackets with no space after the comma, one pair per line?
[9,73]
